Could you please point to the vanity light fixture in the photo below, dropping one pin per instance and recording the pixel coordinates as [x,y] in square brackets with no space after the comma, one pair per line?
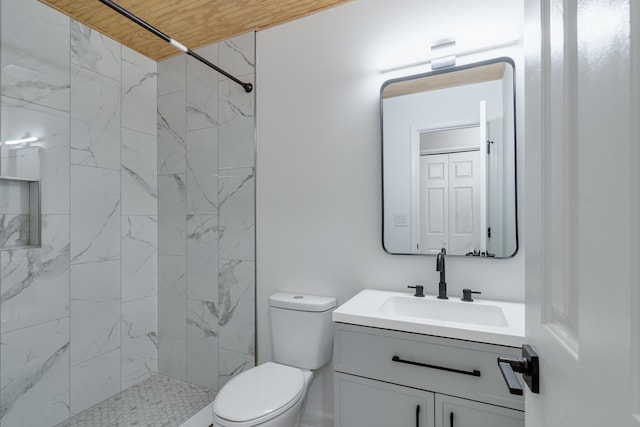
[445,52]
[442,54]
[25,140]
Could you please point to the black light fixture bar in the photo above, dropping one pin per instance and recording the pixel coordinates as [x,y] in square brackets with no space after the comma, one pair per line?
[248,87]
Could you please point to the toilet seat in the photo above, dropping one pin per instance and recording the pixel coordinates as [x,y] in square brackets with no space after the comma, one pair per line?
[259,394]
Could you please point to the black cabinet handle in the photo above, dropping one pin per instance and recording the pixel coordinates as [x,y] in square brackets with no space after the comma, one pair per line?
[474,373]
[451,419]
[418,416]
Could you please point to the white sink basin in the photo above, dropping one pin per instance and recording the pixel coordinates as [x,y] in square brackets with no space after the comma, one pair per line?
[446,311]
[495,322]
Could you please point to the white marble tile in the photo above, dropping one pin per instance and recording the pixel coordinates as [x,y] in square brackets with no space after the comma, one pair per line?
[236,217]
[14,230]
[172,222]
[172,194]
[209,52]
[139,340]
[14,197]
[54,181]
[237,55]
[172,235]
[202,171]
[172,356]
[172,75]
[15,217]
[23,160]
[95,309]
[139,92]
[139,174]
[172,290]
[237,306]
[202,343]
[232,363]
[95,119]
[202,91]
[95,214]
[95,51]
[202,257]
[237,125]
[35,282]
[139,257]
[172,133]
[236,116]
[94,380]
[35,64]
[46,159]
[203,418]
[156,401]
[35,375]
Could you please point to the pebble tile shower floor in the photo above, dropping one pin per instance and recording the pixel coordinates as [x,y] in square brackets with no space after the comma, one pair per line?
[157,401]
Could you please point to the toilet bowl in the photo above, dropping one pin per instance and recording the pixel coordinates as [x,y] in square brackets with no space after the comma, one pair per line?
[269,395]
[273,394]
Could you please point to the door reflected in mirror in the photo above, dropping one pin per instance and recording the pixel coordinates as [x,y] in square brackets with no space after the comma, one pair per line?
[449,162]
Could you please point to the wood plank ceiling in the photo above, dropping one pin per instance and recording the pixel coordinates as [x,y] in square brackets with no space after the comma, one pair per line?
[194,23]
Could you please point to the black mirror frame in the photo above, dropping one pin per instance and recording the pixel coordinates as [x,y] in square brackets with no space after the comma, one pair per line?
[515,143]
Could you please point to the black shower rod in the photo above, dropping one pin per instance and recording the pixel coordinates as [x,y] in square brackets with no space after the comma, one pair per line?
[248,87]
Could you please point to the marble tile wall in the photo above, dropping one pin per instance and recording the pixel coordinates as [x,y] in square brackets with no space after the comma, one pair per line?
[206,286]
[79,314]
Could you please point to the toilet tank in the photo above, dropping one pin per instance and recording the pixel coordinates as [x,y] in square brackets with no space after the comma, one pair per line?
[301,329]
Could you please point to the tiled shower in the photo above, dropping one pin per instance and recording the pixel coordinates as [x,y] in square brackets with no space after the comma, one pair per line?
[147,198]
[206,216]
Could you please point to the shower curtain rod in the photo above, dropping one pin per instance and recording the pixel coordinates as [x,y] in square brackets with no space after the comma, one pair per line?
[248,87]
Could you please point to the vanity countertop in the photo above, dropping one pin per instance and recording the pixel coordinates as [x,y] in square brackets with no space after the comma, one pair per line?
[488,321]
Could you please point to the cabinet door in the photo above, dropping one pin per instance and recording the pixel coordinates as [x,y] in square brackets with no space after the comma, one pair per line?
[456,412]
[363,402]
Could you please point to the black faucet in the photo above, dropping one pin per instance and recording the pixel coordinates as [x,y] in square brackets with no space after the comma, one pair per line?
[442,286]
[466,295]
[419,290]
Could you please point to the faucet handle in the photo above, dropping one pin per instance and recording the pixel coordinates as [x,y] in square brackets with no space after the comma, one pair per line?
[419,290]
[466,294]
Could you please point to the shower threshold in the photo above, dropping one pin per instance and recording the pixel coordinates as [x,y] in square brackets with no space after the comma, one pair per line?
[156,401]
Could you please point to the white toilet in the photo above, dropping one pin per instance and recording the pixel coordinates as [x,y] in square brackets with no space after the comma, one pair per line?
[273,394]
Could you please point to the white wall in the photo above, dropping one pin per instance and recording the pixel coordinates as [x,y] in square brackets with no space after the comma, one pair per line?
[318,200]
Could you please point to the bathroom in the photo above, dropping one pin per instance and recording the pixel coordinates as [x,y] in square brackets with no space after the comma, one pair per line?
[164,209]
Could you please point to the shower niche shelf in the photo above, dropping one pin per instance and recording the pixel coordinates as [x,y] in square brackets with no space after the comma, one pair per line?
[20,217]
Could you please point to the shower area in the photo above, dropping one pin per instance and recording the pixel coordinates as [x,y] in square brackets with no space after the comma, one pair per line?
[133,282]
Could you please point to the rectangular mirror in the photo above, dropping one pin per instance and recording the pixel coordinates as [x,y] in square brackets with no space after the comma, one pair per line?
[449,162]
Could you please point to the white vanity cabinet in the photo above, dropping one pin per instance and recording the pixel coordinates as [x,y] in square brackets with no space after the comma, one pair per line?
[385,377]
[370,403]
[456,412]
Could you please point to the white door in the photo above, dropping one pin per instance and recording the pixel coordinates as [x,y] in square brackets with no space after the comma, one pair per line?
[482,178]
[434,203]
[450,203]
[582,211]
[464,202]
[495,196]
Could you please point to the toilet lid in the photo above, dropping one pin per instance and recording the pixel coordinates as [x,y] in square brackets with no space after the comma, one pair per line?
[264,391]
